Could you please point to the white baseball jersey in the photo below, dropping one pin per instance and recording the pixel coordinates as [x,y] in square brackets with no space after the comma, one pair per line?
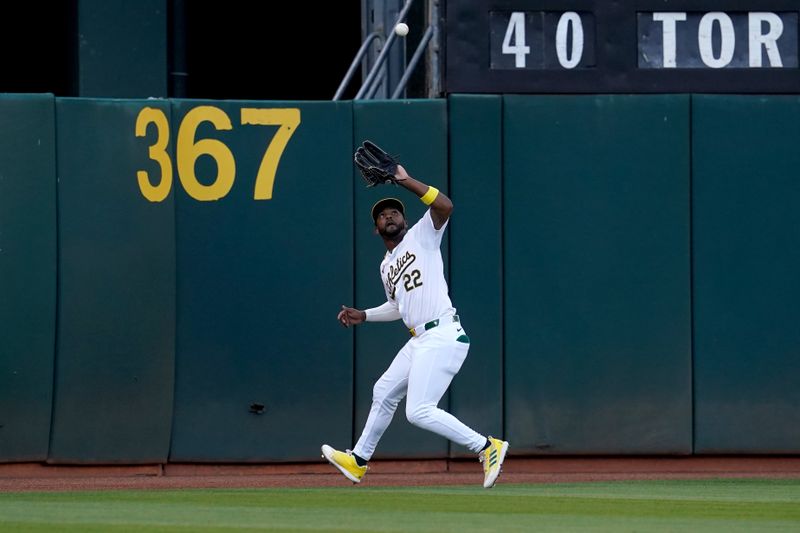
[413,274]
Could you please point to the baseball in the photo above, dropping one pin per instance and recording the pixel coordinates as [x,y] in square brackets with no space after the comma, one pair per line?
[401,29]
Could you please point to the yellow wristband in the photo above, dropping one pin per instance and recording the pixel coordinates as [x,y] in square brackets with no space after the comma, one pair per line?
[430,196]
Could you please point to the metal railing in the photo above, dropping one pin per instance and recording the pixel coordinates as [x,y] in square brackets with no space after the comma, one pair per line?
[423,44]
[356,62]
[372,81]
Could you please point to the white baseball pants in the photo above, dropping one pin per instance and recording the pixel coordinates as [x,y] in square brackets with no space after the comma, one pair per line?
[423,370]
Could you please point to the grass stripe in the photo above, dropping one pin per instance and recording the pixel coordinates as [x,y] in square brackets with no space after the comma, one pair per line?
[708,505]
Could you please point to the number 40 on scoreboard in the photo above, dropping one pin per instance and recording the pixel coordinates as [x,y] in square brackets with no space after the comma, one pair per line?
[542,40]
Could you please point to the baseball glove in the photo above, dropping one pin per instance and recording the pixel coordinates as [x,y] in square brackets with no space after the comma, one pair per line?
[375,165]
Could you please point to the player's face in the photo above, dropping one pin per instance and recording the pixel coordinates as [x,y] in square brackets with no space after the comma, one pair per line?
[390,223]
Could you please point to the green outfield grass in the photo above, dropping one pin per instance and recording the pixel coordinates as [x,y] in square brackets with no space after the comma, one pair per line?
[709,505]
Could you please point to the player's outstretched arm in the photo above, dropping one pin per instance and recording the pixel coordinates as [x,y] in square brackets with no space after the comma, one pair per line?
[349,316]
[441,206]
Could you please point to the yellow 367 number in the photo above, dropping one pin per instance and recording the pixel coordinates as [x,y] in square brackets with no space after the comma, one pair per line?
[189,149]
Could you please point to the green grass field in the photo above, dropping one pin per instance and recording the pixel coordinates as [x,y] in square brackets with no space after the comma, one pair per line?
[709,505]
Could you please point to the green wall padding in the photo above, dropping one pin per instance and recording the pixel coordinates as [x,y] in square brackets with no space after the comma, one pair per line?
[476,252]
[27,274]
[746,235]
[596,266]
[626,267]
[416,132]
[116,307]
[259,287]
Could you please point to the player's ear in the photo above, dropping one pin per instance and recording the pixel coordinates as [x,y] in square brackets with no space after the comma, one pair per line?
[375,230]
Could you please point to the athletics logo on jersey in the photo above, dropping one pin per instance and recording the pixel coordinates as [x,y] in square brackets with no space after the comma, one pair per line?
[396,271]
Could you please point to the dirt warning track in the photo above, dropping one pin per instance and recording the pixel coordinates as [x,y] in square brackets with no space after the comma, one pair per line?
[40,477]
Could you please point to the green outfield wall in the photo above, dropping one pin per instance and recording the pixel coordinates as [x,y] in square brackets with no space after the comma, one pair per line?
[746,260]
[476,252]
[170,273]
[418,134]
[115,349]
[596,263]
[27,274]
[259,282]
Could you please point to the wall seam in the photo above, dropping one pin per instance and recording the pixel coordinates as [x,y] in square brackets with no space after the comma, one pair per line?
[693,388]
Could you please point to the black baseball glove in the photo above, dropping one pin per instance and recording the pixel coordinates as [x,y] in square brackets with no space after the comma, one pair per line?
[375,165]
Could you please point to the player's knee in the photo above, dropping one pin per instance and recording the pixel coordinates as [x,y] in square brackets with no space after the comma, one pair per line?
[379,392]
[419,415]
[380,396]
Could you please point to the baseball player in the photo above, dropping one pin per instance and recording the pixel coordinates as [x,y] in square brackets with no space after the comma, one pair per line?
[416,291]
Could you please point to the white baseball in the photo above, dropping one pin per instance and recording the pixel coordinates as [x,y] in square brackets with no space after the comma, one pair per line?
[401,29]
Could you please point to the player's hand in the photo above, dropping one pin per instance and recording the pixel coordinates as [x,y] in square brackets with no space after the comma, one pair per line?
[400,174]
[349,316]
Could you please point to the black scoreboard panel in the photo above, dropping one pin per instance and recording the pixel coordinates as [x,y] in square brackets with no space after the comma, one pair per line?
[626,46]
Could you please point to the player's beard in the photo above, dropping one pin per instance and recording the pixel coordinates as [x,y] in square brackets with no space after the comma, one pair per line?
[397,230]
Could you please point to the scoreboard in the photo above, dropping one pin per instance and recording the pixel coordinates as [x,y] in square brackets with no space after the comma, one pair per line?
[584,46]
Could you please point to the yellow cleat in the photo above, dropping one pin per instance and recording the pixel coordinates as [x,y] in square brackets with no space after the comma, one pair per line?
[345,462]
[492,459]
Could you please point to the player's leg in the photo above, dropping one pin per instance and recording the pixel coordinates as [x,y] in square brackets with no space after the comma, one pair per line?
[435,359]
[387,393]
[434,364]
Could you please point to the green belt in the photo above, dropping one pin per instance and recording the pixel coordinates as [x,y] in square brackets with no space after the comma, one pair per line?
[419,330]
